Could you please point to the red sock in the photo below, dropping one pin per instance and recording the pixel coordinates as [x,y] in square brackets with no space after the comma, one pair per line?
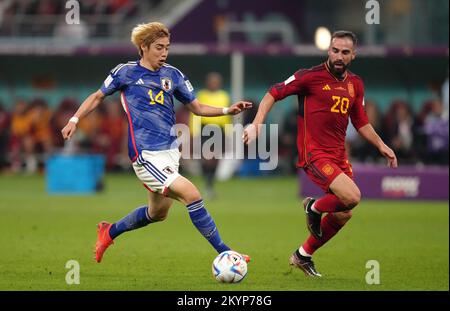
[329,227]
[329,203]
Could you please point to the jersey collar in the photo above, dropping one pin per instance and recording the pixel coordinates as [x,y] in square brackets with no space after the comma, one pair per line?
[148,70]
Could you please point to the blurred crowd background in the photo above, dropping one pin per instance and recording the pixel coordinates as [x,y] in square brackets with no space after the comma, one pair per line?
[48,67]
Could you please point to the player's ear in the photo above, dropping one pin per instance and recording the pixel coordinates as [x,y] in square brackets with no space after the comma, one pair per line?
[353,55]
[144,48]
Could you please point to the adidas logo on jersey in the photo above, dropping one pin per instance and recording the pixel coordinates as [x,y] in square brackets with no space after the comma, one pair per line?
[326,88]
[140,82]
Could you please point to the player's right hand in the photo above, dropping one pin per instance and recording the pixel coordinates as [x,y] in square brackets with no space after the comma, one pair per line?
[251,132]
[389,154]
[239,107]
[68,130]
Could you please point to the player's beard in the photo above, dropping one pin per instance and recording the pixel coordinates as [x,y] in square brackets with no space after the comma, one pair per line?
[338,72]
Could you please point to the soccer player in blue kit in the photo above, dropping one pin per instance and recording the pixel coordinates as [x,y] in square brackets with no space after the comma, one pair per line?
[147,88]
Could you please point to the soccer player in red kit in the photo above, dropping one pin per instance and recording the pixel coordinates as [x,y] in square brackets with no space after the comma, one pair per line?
[328,96]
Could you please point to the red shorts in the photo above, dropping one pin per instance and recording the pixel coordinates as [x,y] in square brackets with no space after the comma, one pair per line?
[322,172]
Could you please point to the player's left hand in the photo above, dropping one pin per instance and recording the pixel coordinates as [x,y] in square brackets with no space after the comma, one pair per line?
[239,107]
[389,154]
[251,132]
[68,130]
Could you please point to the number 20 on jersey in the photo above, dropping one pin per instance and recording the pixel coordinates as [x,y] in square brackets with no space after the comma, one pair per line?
[340,104]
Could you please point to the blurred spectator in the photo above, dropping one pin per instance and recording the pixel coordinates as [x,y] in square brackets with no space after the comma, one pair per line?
[420,137]
[445,103]
[111,139]
[20,129]
[7,12]
[436,131]
[32,131]
[288,144]
[40,143]
[187,166]
[101,10]
[89,128]
[4,6]
[4,135]
[65,110]
[361,150]
[352,141]
[182,116]
[399,130]
[215,96]
[104,13]
[45,9]
[45,17]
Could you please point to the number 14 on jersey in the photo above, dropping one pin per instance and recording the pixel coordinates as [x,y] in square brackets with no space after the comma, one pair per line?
[159,98]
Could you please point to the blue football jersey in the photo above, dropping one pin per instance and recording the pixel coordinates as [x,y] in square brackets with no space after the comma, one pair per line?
[147,98]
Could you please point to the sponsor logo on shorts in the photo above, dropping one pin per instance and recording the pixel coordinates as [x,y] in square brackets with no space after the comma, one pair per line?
[327,169]
[168,170]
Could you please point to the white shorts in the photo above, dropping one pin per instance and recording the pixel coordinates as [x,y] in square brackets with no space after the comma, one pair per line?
[157,169]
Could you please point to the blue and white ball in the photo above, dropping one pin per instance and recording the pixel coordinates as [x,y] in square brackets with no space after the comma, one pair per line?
[229,267]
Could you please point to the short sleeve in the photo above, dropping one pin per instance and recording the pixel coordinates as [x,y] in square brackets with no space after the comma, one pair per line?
[295,84]
[184,91]
[358,114]
[114,81]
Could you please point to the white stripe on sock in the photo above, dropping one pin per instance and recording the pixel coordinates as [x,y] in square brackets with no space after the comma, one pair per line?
[303,252]
[314,209]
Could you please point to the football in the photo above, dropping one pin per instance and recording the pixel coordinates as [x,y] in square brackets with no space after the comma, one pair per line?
[229,267]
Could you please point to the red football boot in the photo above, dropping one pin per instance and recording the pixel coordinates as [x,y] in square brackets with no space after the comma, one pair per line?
[103,240]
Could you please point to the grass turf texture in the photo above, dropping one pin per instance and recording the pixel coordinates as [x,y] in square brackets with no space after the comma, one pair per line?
[39,233]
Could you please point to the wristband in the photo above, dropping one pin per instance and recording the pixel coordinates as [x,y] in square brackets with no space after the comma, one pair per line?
[74,120]
[225,111]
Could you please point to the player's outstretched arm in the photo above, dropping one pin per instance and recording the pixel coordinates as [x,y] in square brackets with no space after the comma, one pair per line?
[252,131]
[89,104]
[368,132]
[203,110]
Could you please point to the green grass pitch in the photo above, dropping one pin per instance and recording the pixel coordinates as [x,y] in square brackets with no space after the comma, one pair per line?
[39,233]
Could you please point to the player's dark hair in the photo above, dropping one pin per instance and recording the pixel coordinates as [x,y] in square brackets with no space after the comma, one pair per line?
[345,34]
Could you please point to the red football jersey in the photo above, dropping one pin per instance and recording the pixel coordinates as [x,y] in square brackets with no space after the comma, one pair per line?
[325,105]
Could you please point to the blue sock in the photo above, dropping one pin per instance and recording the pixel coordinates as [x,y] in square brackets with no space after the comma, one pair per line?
[134,220]
[203,221]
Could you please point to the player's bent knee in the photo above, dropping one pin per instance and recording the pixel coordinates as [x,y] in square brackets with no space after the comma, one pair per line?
[185,191]
[159,213]
[353,199]
[159,218]
[343,217]
[191,195]
[351,203]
